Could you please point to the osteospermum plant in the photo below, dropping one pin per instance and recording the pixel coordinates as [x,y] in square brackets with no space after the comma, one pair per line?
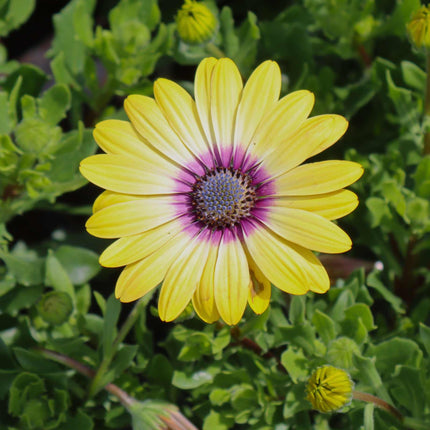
[209,197]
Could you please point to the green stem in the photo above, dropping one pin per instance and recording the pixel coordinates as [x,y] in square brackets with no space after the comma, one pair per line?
[369,398]
[97,382]
[426,150]
[123,397]
[212,49]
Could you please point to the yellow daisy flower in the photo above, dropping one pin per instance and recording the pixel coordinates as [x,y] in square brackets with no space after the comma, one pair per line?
[207,197]
[329,389]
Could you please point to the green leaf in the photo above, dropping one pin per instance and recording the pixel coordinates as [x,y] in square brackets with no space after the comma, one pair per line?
[217,421]
[324,325]
[18,11]
[244,398]
[393,352]
[54,104]
[80,421]
[374,282]
[340,352]
[393,194]
[297,309]
[363,312]
[34,362]
[295,363]
[81,264]
[219,396]
[422,178]
[369,375]
[425,337]
[113,309]
[230,40]
[191,380]
[409,390]
[57,277]
[413,76]
[196,345]
[302,335]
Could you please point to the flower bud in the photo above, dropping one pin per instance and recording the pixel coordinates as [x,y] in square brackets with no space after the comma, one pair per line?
[195,22]
[419,27]
[55,307]
[329,389]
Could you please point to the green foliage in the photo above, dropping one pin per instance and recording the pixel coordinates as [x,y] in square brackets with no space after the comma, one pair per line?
[57,310]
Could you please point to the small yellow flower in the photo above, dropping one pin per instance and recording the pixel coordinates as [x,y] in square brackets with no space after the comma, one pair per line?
[329,389]
[418,27]
[195,22]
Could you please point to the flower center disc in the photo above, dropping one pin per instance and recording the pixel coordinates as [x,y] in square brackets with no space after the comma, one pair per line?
[222,197]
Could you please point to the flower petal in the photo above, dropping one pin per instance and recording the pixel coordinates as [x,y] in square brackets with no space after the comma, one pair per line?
[231,280]
[331,205]
[139,278]
[262,89]
[318,178]
[203,298]
[129,249]
[181,113]
[182,278]
[120,137]
[123,174]
[339,128]
[130,218]
[289,267]
[316,132]
[109,198]
[202,93]
[307,229]
[146,116]
[281,121]
[260,289]
[225,95]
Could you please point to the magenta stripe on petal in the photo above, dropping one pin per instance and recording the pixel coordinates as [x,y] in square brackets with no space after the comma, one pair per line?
[248,226]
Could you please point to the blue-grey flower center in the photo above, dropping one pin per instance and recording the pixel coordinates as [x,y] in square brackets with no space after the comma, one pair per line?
[222,197]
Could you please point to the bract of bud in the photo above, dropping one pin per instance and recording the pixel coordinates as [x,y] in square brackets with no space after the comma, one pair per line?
[419,27]
[195,22]
[329,389]
[55,307]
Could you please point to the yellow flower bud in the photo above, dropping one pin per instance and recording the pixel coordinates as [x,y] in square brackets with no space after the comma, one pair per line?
[419,27]
[329,389]
[195,22]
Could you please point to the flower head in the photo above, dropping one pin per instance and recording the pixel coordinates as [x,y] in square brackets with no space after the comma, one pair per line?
[195,22]
[329,389]
[208,197]
[419,27]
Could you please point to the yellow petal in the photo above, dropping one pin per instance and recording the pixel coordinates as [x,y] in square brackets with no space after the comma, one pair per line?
[146,116]
[259,95]
[120,137]
[203,298]
[281,121]
[124,175]
[182,279]
[202,92]
[109,198]
[139,278]
[181,113]
[129,249]
[231,280]
[307,229]
[331,205]
[260,288]
[318,178]
[339,127]
[130,218]
[289,267]
[315,132]
[225,95]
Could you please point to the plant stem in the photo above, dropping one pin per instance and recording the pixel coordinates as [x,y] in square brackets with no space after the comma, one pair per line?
[212,49]
[426,150]
[123,397]
[369,398]
[97,382]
